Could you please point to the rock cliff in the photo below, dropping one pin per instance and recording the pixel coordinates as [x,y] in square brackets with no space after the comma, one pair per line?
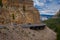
[21,11]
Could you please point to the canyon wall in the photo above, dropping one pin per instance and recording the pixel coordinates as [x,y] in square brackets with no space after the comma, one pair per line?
[21,11]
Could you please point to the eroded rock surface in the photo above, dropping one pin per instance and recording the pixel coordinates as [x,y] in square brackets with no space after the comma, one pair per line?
[21,11]
[18,33]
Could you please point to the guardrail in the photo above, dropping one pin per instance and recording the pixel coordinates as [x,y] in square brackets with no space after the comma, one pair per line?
[34,26]
[30,26]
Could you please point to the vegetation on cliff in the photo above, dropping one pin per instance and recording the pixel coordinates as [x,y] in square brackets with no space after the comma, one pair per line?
[1,3]
[54,24]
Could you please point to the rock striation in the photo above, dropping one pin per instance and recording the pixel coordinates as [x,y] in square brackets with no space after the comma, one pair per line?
[21,11]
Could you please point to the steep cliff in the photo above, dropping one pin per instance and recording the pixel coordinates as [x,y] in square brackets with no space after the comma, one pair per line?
[23,11]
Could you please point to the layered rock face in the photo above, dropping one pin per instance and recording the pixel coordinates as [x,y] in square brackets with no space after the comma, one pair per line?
[21,11]
[4,16]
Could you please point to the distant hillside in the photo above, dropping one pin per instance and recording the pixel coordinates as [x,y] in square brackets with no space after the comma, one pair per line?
[54,24]
[45,17]
[57,15]
[48,16]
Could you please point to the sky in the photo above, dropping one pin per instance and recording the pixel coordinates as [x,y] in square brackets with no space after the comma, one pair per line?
[47,7]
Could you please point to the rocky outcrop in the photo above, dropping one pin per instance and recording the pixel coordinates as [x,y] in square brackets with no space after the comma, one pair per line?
[57,15]
[12,32]
[22,11]
[4,16]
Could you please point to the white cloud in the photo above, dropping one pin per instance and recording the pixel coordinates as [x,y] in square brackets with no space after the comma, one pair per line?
[50,9]
[38,3]
[48,12]
[50,0]
[43,18]
[44,0]
[41,4]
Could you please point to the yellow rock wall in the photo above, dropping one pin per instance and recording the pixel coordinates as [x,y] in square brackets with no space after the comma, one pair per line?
[23,11]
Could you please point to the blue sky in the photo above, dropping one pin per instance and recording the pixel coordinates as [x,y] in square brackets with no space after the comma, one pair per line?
[47,7]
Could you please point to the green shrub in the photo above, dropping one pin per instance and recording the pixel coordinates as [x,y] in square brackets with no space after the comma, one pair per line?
[54,24]
[13,16]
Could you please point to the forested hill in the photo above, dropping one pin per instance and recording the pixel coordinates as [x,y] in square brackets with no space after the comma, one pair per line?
[54,24]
